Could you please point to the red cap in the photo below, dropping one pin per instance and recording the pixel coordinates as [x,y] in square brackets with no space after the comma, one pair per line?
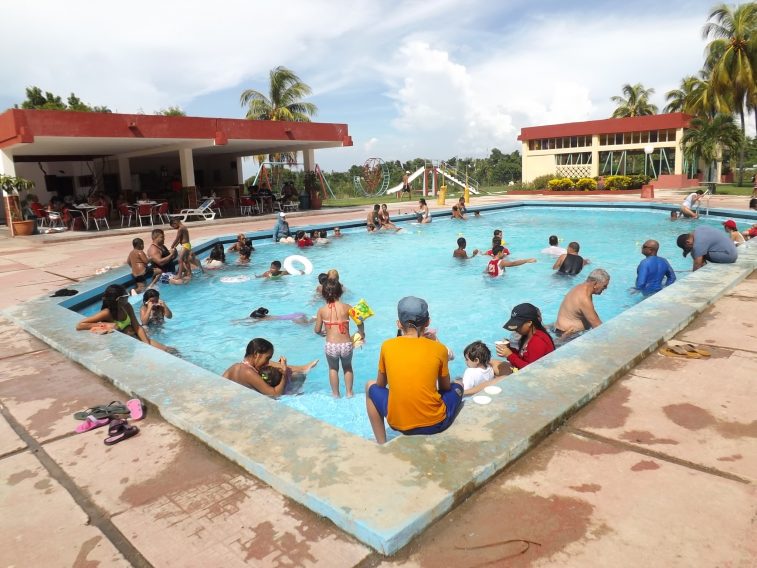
[730,224]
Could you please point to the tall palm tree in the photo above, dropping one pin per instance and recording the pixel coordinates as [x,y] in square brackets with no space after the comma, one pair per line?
[697,97]
[635,103]
[732,57]
[284,102]
[707,139]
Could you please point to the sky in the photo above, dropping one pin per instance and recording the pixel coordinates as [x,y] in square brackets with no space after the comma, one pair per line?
[412,79]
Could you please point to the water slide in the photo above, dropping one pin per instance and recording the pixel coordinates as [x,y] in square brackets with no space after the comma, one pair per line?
[454,180]
[410,179]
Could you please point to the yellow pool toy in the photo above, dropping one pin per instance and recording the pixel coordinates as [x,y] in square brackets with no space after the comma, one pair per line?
[360,312]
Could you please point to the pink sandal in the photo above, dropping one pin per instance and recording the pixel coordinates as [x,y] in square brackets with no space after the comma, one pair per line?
[90,423]
[136,409]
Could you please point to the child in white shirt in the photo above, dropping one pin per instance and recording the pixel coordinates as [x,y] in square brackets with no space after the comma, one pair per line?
[479,372]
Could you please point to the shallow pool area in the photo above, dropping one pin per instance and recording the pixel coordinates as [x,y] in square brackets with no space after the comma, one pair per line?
[211,326]
[384,495]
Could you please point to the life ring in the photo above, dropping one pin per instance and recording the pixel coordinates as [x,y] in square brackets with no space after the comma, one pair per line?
[234,279]
[307,266]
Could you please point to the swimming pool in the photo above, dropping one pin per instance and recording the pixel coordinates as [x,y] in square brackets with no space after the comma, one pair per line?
[384,495]
[211,326]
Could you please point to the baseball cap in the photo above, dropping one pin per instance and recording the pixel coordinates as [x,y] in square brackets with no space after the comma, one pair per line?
[730,224]
[282,214]
[521,314]
[412,310]
[682,244]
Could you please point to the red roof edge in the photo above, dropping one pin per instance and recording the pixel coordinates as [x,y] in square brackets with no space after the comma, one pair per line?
[606,126]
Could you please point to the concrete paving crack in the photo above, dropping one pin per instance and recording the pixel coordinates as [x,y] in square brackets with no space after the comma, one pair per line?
[97,517]
[62,276]
[657,455]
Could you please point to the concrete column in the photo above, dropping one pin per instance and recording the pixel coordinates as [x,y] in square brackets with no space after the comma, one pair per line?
[524,177]
[124,173]
[240,173]
[678,168]
[187,166]
[594,155]
[308,157]
[7,167]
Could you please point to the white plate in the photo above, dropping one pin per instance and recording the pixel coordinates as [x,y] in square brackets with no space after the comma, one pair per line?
[481,399]
[492,390]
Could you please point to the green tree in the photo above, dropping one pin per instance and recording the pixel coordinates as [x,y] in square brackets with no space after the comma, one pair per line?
[732,58]
[284,99]
[635,103]
[696,97]
[706,139]
[35,99]
[171,111]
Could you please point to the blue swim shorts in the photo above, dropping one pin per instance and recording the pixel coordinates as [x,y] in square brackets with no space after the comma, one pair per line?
[452,399]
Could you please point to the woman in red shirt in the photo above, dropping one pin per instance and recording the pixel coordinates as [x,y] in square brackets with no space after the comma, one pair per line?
[535,341]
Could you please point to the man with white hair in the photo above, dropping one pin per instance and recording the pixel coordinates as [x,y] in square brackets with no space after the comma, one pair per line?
[281,230]
[577,311]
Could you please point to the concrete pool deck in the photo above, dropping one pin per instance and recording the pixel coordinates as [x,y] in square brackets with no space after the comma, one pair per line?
[38,406]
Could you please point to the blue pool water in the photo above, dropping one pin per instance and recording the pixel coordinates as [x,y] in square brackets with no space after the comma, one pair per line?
[464,303]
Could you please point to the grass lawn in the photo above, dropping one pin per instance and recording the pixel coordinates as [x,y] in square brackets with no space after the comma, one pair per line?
[731,189]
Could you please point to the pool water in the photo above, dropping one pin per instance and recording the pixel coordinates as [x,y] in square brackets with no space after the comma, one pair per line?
[211,327]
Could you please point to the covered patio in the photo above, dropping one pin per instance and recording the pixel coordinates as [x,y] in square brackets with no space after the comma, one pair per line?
[133,158]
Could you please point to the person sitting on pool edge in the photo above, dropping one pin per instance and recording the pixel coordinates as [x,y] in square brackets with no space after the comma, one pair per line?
[281,231]
[570,263]
[422,400]
[256,358]
[707,245]
[535,342]
[577,311]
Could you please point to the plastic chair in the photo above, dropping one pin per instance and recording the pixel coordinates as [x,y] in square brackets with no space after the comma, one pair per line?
[161,212]
[144,211]
[100,215]
[126,213]
[40,213]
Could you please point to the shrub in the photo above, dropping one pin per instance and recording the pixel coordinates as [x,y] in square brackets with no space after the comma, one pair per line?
[542,182]
[554,183]
[638,180]
[587,184]
[617,182]
[560,184]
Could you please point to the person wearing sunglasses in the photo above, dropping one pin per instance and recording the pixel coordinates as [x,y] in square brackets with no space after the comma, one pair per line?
[117,314]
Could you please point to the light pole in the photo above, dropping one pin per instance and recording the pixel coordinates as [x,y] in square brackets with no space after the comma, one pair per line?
[466,191]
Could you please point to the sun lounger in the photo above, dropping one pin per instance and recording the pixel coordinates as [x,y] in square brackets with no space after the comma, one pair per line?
[203,211]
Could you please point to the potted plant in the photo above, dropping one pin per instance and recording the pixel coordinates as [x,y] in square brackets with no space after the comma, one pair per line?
[15,205]
[311,188]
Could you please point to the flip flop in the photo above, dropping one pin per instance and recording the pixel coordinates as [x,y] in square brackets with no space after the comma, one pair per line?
[103,411]
[136,409]
[691,348]
[126,433]
[90,423]
[677,352]
[117,426]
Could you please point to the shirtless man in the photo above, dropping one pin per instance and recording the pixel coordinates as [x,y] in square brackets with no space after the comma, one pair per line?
[570,263]
[186,256]
[460,251]
[405,186]
[372,220]
[577,311]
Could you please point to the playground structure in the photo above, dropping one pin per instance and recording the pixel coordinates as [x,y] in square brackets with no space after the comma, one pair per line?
[375,179]
[272,175]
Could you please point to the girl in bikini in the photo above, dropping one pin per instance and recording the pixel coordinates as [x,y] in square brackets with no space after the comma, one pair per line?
[334,316]
[117,314]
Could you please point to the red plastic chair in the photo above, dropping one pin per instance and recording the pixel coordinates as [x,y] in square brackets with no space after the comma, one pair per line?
[40,213]
[100,215]
[126,213]
[144,211]
[161,212]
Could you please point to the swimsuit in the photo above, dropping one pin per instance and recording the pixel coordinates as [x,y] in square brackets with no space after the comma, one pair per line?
[572,265]
[187,246]
[344,325]
[123,324]
[338,350]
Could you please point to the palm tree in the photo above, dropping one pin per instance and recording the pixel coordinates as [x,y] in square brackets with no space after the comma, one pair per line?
[707,139]
[635,103]
[697,97]
[284,100]
[732,57]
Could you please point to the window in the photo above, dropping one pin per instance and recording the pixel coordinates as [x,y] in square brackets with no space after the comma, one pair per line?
[653,136]
[645,137]
[636,137]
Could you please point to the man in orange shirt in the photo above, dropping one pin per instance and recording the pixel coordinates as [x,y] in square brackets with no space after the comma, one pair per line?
[422,401]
